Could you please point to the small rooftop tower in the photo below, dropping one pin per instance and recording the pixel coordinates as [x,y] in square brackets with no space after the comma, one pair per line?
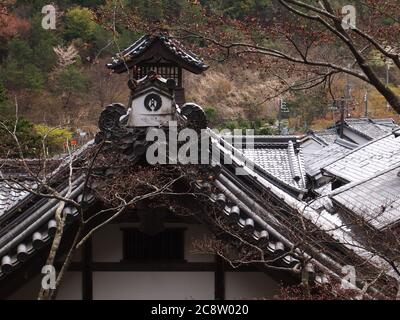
[152,101]
[161,54]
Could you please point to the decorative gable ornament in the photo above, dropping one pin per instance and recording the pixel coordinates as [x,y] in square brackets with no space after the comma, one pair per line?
[152,102]
[162,54]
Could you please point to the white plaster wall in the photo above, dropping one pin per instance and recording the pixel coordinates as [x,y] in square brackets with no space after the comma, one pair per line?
[141,117]
[71,288]
[153,285]
[157,285]
[249,285]
[107,243]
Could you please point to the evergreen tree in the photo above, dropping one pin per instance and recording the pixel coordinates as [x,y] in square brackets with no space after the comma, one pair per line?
[33,78]
[79,24]
[29,140]
[42,43]
[3,93]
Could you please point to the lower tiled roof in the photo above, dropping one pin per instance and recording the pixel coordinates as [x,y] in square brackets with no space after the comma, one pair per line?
[371,128]
[278,163]
[367,160]
[11,194]
[319,159]
[376,200]
[327,136]
[278,156]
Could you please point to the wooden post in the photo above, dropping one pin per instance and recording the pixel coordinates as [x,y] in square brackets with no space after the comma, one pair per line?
[342,107]
[87,274]
[219,279]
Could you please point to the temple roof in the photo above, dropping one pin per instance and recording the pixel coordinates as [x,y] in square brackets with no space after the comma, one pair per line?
[316,160]
[371,128]
[280,158]
[11,194]
[367,160]
[326,136]
[366,128]
[157,49]
[278,175]
[375,199]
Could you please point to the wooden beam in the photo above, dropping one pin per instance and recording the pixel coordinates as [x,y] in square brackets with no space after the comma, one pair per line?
[87,274]
[219,279]
[160,266]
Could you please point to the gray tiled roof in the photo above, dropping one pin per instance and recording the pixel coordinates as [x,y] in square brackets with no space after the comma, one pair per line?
[279,163]
[327,136]
[371,128]
[389,123]
[141,45]
[278,158]
[365,127]
[246,209]
[317,160]
[10,194]
[367,160]
[377,199]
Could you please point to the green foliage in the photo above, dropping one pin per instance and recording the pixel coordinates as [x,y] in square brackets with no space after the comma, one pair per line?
[19,77]
[29,140]
[42,43]
[152,10]
[31,137]
[212,115]
[11,74]
[19,71]
[79,24]
[101,39]
[306,107]
[3,93]
[44,56]
[241,9]
[19,50]
[4,105]
[260,126]
[89,3]
[173,7]
[54,138]
[34,5]
[72,80]
[33,78]
[126,37]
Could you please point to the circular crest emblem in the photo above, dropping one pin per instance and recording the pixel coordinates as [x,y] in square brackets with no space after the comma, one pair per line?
[153,102]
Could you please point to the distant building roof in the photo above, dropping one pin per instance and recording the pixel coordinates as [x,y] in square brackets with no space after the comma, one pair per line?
[366,128]
[278,158]
[160,49]
[319,159]
[367,160]
[326,136]
[371,128]
[375,199]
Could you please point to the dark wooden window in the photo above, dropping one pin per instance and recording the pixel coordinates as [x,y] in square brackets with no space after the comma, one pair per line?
[167,245]
[166,71]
